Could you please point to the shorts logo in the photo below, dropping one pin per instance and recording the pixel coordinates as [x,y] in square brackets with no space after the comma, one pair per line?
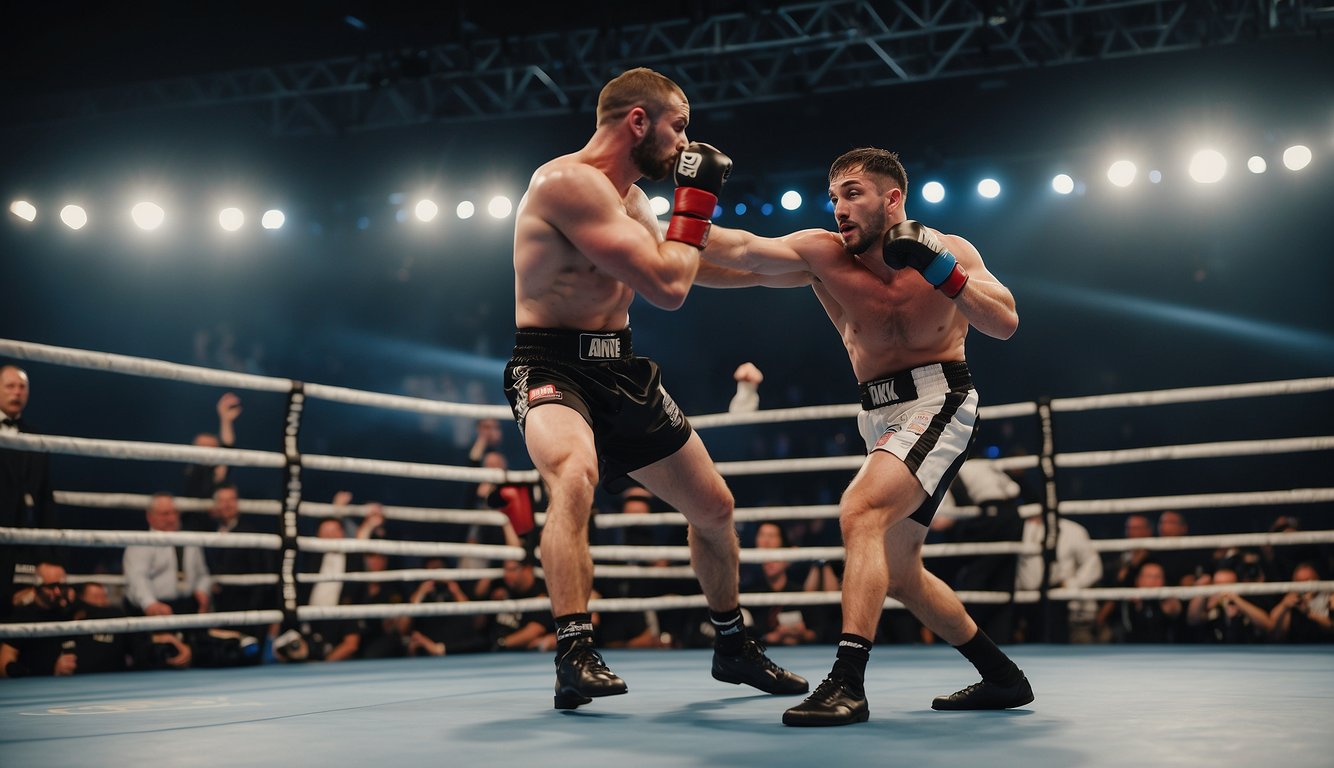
[545,392]
[919,423]
[889,432]
[601,347]
[669,405]
[882,392]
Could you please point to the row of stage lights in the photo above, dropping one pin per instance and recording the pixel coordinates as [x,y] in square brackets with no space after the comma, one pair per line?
[1207,166]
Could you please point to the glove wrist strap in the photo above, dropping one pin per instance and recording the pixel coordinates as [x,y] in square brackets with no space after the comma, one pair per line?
[694,201]
[954,284]
[688,230]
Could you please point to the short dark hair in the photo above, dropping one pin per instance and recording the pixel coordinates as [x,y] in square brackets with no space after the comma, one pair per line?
[880,162]
[638,87]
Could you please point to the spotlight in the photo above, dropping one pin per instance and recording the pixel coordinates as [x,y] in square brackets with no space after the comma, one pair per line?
[74,216]
[740,209]
[147,215]
[231,219]
[426,210]
[499,207]
[766,209]
[791,200]
[933,191]
[23,209]
[1121,173]
[1257,164]
[1155,176]
[272,219]
[1296,157]
[1063,184]
[1208,166]
[659,205]
[465,209]
[988,188]
[718,210]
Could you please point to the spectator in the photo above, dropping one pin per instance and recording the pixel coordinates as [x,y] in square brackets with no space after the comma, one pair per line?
[1122,571]
[1077,565]
[1226,617]
[329,639]
[527,630]
[1303,617]
[1181,566]
[229,561]
[164,579]
[747,397]
[118,651]
[1149,620]
[382,638]
[489,438]
[202,479]
[445,634]
[27,498]
[53,600]
[779,624]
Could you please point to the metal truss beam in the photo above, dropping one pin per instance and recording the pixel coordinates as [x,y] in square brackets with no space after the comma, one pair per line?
[783,51]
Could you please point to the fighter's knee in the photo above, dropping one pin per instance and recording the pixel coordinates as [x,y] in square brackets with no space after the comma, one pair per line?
[715,511]
[574,479]
[857,517]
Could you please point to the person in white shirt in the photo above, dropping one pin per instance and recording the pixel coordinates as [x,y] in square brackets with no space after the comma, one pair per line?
[1077,566]
[161,579]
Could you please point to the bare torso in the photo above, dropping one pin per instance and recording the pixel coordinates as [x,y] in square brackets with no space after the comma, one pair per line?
[556,286]
[890,320]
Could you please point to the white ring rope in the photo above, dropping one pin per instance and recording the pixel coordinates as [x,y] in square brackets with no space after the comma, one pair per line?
[610,605]
[140,366]
[1195,451]
[140,501]
[1193,394]
[87,538]
[423,548]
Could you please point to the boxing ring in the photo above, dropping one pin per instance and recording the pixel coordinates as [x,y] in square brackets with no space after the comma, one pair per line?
[1096,704]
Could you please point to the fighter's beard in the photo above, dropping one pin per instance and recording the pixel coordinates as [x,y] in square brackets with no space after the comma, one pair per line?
[648,160]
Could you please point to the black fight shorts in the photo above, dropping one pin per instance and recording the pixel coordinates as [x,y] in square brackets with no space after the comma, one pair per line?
[621,397]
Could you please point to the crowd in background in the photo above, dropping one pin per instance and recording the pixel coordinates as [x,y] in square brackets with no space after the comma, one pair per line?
[156,580]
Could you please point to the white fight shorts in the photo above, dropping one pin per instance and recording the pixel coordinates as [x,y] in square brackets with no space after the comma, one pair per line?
[927,417]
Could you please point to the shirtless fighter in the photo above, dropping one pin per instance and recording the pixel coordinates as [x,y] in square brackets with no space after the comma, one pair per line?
[902,296]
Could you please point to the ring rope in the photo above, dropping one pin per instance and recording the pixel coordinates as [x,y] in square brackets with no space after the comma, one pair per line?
[315,509]
[1193,394]
[199,455]
[98,538]
[610,605]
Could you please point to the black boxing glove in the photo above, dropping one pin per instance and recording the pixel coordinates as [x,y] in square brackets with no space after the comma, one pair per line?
[700,172]
[909,244]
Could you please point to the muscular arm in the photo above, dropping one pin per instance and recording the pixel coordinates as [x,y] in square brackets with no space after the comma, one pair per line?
[988,305]
[581,203]
[713,276]
[740,251]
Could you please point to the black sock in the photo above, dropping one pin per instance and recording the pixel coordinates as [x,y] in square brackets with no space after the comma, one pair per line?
[729,630]
[853,653]
[991,661]
[570,628]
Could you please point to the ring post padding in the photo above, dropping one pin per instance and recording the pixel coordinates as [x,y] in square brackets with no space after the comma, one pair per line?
[296,399]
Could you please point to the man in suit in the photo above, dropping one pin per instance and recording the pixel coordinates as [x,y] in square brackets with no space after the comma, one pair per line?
[26,496]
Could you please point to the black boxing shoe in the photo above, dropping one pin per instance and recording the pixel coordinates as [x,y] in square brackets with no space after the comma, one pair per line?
[837,701]
[986,695]
[753,668]
[582,675]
